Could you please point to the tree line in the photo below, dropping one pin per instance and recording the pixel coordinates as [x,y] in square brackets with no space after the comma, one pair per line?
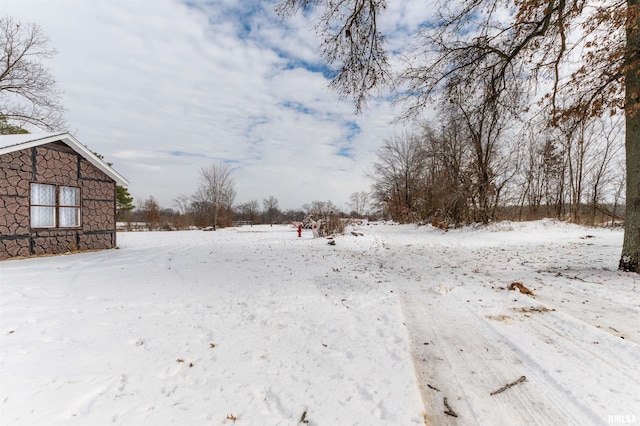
[445,171]
[213,206]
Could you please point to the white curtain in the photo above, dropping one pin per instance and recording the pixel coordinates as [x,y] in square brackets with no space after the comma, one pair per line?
[43,217]
[69,197]
[43,195]
[69,216]
[43,206]
[43,212]
[69,200]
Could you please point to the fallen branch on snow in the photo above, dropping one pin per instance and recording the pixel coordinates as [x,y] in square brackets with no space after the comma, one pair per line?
[507,386]
[449,411]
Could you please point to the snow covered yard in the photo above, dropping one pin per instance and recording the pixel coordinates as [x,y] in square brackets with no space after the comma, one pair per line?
[254,326]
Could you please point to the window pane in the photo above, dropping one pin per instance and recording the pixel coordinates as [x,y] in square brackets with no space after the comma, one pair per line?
[44,195]
[69,216]
[43,217]
[69,196]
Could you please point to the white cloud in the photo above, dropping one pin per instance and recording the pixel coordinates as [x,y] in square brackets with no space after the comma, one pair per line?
[161,89]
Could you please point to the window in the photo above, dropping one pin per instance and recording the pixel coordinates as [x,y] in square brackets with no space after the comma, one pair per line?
[46,213]
[69,202]
[43,206]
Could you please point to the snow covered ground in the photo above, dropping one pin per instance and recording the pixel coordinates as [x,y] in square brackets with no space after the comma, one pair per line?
[254,326]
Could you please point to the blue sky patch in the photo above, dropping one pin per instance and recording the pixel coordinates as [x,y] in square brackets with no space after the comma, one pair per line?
[345,151]
[353,130]
[318,67]
[298,107]
[255,121]
[186,154]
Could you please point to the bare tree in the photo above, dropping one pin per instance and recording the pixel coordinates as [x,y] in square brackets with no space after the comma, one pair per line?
[28,94]
[250,210]
[182,202]
[320,209]
[358,202]
[530,179]
[484,117]
[554,167]
[184,215]
[270,205]
[600,171]
[398,175]
[575,140]
[542,178]
[619,186]
[150,210]
[447,181]
[216,192]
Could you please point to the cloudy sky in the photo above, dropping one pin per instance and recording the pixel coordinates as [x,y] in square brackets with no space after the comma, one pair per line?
[162,88]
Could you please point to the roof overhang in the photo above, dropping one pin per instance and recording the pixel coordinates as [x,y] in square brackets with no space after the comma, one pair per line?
[12,143]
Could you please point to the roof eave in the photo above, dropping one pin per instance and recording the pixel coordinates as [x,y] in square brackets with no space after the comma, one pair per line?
[73,143]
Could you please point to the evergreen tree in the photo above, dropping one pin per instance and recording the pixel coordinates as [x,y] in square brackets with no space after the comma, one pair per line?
[124,202]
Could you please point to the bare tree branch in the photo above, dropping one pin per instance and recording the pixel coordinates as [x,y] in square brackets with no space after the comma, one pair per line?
[352,46]
[27,89]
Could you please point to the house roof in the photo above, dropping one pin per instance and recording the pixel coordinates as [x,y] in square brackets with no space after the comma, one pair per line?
[11,143]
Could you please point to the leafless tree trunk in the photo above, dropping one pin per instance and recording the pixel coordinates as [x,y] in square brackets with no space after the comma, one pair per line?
[530,179]
[619,188]
[630,258]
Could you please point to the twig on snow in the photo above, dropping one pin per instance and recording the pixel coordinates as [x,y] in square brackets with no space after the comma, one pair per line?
[303,419]
[507,386]
[449,410]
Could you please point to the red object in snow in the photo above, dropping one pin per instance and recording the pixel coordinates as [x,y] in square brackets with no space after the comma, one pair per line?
[300,230]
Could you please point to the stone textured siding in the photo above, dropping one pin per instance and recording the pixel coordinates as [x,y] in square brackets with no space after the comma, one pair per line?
[54,164]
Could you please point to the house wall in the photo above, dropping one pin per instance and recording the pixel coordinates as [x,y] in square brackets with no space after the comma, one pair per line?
[54,163]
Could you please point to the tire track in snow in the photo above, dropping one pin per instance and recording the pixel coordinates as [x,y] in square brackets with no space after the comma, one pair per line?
[466,359]
[578,352]
[466,355]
